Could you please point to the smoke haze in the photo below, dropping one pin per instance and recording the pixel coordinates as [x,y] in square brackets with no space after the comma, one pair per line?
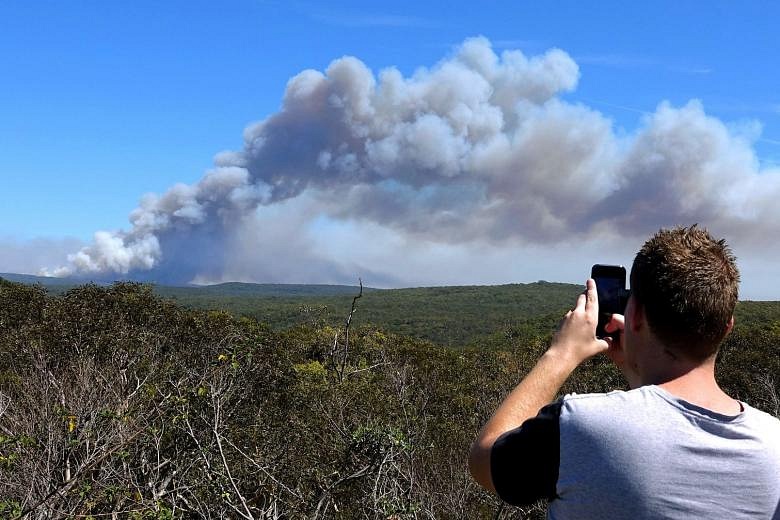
[32,256]
[476,161]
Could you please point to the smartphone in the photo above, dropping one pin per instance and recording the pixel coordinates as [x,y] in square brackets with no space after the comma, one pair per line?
[611,288]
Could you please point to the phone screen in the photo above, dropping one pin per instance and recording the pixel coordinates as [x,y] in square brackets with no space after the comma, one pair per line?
[610,285]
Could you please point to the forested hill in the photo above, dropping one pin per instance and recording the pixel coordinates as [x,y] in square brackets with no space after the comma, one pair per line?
[447,315]
[56,285]
[453,316]
[51,283]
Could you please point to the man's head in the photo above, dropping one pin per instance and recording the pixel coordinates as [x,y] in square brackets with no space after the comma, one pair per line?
[687,283]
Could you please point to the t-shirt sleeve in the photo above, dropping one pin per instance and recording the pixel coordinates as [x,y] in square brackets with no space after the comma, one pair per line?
[524,461]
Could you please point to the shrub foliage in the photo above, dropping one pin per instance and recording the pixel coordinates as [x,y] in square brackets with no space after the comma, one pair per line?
[116,402]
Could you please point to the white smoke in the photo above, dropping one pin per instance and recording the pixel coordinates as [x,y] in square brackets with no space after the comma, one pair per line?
[479,149]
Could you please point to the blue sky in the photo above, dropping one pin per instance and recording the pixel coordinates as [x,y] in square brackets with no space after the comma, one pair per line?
[101,102]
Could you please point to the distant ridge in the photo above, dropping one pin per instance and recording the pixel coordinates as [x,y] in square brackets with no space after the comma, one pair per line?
[262,289]
[46,281]
[235,289]
[448,315]
[250,289]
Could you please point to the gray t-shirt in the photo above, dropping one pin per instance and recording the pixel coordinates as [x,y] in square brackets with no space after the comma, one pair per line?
[646,454]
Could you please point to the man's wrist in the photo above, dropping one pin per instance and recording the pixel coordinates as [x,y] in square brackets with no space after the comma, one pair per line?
[562,358]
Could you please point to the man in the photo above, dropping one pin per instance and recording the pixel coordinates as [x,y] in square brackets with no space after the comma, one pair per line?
[676,445]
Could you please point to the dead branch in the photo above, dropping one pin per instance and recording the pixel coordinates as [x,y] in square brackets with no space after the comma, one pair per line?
[346,331]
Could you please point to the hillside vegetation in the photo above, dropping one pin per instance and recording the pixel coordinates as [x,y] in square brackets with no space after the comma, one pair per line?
[452,316]
[113,399]
[455,316]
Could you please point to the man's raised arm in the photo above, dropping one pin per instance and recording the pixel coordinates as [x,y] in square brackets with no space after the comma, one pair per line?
[574,342]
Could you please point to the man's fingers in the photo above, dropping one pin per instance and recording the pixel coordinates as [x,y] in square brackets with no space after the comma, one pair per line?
[604,344]
[616,323]
[581,302]
[591,295]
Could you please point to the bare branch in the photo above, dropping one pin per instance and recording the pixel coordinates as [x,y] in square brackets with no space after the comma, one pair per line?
[346,331]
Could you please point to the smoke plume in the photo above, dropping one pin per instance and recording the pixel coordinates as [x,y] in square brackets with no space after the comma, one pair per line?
[479,150]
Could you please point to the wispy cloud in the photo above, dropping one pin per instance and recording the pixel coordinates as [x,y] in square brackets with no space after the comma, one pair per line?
[769,161]
[617,60]
[613,105]
[740,106]
[354,19]
[634,61]
[696,70]
[526,45]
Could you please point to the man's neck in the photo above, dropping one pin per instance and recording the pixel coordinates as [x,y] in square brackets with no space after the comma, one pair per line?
[696,384]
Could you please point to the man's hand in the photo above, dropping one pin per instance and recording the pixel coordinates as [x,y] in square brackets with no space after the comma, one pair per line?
[576,338]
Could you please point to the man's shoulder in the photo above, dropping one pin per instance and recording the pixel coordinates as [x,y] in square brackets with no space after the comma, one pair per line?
[607,401]
[651,406]
[618,412]
[763,420]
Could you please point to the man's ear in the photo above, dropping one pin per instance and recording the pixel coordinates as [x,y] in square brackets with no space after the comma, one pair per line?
[729,326]
[637,315]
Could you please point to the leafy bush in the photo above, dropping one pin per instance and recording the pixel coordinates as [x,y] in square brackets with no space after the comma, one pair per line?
[115,400]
